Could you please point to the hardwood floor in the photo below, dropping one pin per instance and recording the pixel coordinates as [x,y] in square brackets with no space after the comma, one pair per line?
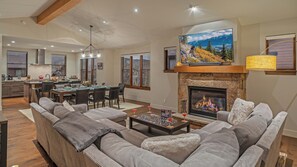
[21,133]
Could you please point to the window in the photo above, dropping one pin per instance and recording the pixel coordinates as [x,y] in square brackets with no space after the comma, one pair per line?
[136,70]
[169,59]
[284,47]
[58,65]
[17,63]
[88,70]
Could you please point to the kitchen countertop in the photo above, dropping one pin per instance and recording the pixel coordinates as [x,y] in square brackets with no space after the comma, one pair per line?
[40,82]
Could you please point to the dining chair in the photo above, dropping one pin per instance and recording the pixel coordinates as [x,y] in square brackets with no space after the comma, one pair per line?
[37,95]
[66,96]
[113,95]
[98,96]
[46,87]
[82,96]
[122,90]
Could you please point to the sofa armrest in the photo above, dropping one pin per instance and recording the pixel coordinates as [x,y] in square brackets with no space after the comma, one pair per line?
[250,158]
[95,158]
[80,107]
[222,115]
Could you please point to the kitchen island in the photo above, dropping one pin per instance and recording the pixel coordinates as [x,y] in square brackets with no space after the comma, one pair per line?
[29,86]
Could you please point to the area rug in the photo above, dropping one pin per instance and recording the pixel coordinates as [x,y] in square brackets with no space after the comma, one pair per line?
[28,114]
[123,106]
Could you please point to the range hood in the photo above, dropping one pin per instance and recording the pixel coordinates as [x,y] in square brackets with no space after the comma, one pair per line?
[40,58]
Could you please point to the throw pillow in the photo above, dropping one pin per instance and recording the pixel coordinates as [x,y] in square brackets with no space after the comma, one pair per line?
[61,111]
[249,132]
[68,106]
[240,111]
[218,149]
[174,147]
[263,110]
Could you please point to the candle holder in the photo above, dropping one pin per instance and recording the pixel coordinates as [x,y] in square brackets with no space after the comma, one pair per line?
[134,112]
[149,109]
[169,120]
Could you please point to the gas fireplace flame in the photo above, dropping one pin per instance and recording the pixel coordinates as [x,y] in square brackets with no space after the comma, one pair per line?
[206,104]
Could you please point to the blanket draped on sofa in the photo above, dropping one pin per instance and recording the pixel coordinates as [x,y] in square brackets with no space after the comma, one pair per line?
[82,131]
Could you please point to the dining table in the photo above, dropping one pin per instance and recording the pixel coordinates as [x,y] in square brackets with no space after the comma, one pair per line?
[60,92]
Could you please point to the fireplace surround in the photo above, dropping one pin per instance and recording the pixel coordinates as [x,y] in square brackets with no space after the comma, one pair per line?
[206,101]
[234,85]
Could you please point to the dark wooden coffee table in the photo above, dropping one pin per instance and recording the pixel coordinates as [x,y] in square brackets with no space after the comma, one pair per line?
[154,121]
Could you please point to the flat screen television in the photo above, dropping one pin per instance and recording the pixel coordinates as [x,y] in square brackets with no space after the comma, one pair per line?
[207,47]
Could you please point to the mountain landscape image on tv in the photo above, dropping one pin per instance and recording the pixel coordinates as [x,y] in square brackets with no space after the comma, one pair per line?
[207,47]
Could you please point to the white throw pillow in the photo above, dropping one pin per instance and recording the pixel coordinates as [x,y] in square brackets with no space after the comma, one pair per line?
[240,111]
[174,147]
[68,106]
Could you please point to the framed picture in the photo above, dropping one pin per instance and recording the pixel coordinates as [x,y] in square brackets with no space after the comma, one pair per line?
[215,47]
[100,65]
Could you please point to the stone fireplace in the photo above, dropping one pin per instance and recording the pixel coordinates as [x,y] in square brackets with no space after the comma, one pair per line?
[206,101]
[207,90]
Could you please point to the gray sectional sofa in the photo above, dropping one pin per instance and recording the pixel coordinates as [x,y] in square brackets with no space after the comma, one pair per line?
[126,151]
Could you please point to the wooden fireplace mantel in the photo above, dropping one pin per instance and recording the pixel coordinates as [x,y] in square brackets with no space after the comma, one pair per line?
[236,69]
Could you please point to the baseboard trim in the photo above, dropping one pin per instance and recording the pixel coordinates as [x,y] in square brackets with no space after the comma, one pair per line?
[290,133]
[137,99]
[158,106]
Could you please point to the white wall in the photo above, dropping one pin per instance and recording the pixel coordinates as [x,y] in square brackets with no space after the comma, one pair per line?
[106,75]
[276,90]
[35,71]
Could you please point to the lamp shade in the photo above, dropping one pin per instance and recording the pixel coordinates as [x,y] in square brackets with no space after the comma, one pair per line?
[261,62]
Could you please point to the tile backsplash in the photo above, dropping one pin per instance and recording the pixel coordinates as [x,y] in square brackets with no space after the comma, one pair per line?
[34,70]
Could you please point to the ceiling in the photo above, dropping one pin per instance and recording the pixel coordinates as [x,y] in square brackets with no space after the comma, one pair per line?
[155,17]
[22,8]
[39,44]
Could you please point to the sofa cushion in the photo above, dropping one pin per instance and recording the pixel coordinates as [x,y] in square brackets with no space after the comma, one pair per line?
[216,126]
[132,136]
[61,111]
[202,133]
[68,106]
[128,155]
[263,110]
[106,112]
[48,104]
[218,149]
[240,111]
[249,132]
[174,147]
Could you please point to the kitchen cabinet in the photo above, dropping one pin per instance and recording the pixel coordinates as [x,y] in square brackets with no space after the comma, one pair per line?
[12,89]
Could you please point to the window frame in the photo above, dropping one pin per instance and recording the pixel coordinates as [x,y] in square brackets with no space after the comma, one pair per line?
[12,63]
[166,70]
[93,78]
[141,87]
[283,71]
[65,64]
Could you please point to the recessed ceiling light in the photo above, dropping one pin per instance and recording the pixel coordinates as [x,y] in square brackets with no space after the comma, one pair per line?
[44,48]
[8,44]
[72,50]
[52,46]
[104,22]
[81,49]
[193,8]
[80,30]
[135,10]
[12,41]
[23,22]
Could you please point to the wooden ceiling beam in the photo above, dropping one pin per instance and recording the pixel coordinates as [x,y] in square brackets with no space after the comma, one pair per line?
[55,10]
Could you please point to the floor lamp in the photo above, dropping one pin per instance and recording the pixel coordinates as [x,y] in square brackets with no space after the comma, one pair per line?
[265,63]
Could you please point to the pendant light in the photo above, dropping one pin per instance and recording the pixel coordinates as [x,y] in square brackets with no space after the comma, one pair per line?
[90,50]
